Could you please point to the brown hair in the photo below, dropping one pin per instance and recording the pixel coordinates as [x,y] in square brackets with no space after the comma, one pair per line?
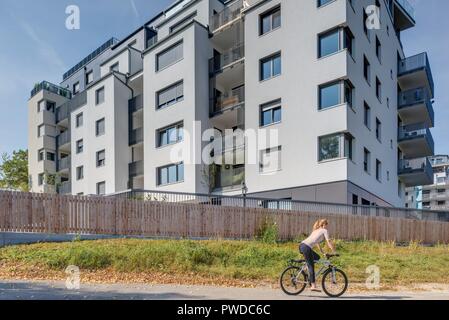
[320,223]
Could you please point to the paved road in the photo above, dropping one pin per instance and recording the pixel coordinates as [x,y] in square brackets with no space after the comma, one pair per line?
[24,290]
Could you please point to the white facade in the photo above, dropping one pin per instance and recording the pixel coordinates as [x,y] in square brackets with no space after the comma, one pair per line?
[203,64]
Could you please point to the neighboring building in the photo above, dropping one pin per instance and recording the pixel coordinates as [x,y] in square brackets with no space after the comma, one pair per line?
[435,196]
[352,112]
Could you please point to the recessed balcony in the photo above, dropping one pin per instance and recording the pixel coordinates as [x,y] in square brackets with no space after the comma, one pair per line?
[226,18]
[136,136]
[415,172]
[415,72]
[416,141]
[227,176]
[64,164]
[65,188]
[135,169]
[229,100]
[415,106]
[63,141]
[229,62]
[135,104]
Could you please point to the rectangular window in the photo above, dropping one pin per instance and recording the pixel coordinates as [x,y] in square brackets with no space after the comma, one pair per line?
[40,130]
[270,160]
[40,179]
[323,2]
[41,105]
[270,113]
[329,43]
[365,23]
[270,20]
[79,146]
[41,155]
[270,67]
[51,156]
[378,170]
[99,96]
[101,188]
[335,146]
[367,116]
[80,173]
[48,106]
[170,135]
[79,120]
[170,174]
[170,95]
[76,88]
[101,158]
[378,49]
[169,56]
[367,69]
[366,160]
[335,93]
[115,67]
[378,129]
[378,89]
[89,77]
[100,127]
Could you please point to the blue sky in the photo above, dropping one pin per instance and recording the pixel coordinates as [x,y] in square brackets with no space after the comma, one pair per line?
[36,46]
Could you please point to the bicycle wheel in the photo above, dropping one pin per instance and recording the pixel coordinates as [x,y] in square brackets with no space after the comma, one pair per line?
[335,287]
[293,281]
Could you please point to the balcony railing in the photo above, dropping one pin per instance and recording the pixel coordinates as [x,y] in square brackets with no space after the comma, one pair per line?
[417,63]
[226,59]
[229,100]
[413,131]
[135,136]
[226,16]
[64,110]
[136,104]
[415,97]
[232,177]
[407,7]
[47,86]
[407,166]
[135,169]
[63,138]
[65,188]
[64,164]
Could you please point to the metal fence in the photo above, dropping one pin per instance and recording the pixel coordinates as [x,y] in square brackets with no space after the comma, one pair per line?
[285,205]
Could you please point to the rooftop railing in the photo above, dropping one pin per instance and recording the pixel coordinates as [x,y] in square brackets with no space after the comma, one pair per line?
[50,87]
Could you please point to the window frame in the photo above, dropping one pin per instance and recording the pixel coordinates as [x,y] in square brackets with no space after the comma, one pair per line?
[271,58]
[179,129]
[271,107]
[269,14]
[100,162]
[277,149]
[97,96]
[178,179]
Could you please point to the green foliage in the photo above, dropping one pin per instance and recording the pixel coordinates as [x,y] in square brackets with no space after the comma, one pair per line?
[14,171]
[268,231]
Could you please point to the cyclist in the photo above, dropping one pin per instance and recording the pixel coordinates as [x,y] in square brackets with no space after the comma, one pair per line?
[318,235]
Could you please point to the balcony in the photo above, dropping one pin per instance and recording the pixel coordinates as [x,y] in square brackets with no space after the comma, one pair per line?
[404,15]
[65,188]
[63,112]
[63,140]
[136,136]
[230,100]
[64,164]
[415,172]
[135,104]
[52,88]
[135,169]
[415,72]
[227,17]
[416,141]
[227,60]
[227,176]
[415,106]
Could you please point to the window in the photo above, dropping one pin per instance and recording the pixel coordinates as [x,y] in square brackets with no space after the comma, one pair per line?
[367,115]
[50,156]
[41,105]
[270,113]
[115,67]
[179,25]
[378,170]
[169,56]
[270,67]
[270,160]
[170,95]
[89,77]
[378,89]
[170,135]
[76,88]
[41,155]
[40,130]
[335,40]
[323,2]
[46,105]
[378,129]
[99,96]
[335,146]
[367,69]
[101,188]
[80,173]
[441,203]
[170,174]
[441,191]
[365,23]
[270,20]
[335,93]
[79,146]
[79,120]
[378,49]
[366,160]
[40,179]
[101,158]
[100,127]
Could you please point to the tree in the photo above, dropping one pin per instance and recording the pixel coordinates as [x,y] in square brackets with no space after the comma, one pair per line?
[14,171]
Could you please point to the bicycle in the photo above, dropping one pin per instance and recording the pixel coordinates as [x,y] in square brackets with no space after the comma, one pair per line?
[294,279]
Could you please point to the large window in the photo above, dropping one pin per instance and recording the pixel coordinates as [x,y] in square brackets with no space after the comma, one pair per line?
[335,93]
[335,40]
[169,56]
[170,135]
[101,158]
[170,174]
[100,127]
[270,160]
[170,95]
[270,113]
[99,96]
[270,67]
[335,146]
[270,20]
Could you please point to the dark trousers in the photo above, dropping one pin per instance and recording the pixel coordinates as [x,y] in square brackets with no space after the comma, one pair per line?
[310,256]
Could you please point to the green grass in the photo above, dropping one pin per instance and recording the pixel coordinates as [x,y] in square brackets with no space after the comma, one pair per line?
[239,260]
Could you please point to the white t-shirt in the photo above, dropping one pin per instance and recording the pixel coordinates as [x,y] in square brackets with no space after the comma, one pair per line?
[316,237]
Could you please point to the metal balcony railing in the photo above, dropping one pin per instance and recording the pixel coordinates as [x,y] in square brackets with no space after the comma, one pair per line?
[47,86]
[416,131]
[65,188]
[220,62]
[135,169]
[229,100]
[406,166]
[135,136]
[136,104]
[416,63]
[63,138]
[414,97]
[64,163]
[229,14]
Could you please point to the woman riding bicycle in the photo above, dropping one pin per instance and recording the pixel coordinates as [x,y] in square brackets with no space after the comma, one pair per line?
[318,235]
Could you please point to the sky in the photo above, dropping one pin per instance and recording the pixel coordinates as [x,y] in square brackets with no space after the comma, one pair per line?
[37,46]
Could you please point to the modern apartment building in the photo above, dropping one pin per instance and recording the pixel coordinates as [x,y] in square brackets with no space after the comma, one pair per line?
[436,195]
[352,113]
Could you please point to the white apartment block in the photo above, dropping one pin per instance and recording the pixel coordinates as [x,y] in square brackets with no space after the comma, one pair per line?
[352,113]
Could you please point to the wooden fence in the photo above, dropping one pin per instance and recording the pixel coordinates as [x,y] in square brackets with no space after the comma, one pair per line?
[55,214]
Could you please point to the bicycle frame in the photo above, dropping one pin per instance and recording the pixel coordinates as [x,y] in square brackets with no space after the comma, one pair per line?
[326,264]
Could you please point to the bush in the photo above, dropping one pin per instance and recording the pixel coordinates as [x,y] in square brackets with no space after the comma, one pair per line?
[268,232]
